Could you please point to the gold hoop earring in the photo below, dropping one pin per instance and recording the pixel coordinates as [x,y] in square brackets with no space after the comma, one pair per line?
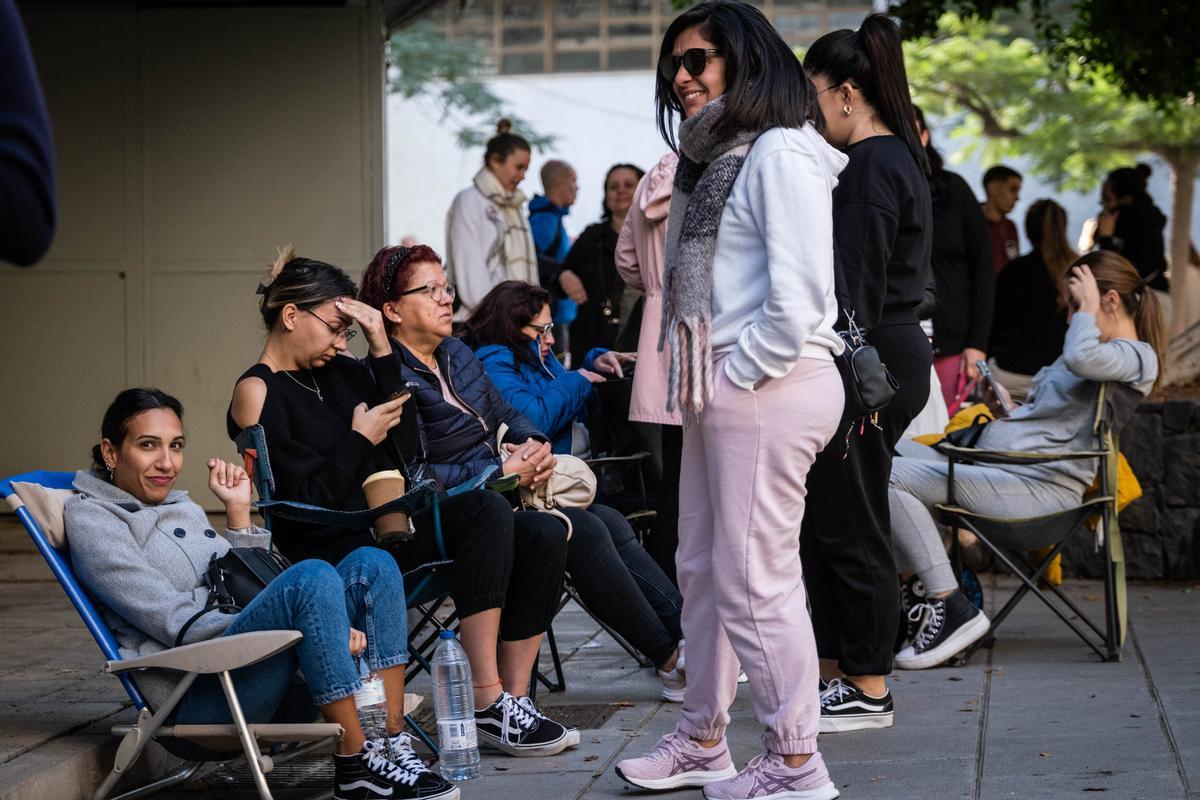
[846,109]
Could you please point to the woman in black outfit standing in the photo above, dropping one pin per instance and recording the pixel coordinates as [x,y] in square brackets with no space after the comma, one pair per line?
[591,258]
[882,232]
[963,274]
[329,425]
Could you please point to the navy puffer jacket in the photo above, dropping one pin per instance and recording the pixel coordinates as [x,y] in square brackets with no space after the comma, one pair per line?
[456,445]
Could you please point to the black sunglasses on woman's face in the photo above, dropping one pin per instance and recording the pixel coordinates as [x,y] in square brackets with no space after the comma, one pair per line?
[693,60]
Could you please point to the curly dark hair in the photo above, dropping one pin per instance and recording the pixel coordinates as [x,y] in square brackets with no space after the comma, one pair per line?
[501,315]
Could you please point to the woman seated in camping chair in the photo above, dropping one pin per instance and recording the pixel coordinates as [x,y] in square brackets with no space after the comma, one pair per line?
[461,411]
[142,550]
[1114,336]
[330,421]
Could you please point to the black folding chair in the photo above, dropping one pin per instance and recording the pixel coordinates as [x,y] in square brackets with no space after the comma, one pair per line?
[1009,538]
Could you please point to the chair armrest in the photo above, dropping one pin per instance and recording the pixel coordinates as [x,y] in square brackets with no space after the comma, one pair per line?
[418,498]
[630,459]
[215,655]
[1005,457]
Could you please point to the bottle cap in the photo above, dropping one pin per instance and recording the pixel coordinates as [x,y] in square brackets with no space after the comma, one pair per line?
[446,635]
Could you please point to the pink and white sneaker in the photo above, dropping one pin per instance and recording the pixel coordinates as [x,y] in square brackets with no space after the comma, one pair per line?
[676,762]
[766,777]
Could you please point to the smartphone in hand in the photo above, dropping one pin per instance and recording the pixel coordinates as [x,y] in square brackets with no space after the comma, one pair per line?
[1002,403]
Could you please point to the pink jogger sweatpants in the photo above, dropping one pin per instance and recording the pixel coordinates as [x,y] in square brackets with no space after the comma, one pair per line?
[741,499]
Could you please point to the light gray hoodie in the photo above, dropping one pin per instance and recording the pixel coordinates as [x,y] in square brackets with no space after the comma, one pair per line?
[144,565]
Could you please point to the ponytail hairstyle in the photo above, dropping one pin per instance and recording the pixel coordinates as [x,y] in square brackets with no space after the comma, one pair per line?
[1046,227]
[1112,271]
[301,281]
[504,143]
[765,84]
[124,407]
[388,273]
[501,317]
[872,61]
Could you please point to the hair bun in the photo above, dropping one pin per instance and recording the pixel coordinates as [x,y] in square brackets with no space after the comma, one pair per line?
[283,256]
[503,126]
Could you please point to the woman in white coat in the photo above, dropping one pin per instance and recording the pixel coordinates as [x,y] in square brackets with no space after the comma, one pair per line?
[487,231]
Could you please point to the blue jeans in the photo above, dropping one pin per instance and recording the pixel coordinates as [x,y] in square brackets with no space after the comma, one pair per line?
[321,601]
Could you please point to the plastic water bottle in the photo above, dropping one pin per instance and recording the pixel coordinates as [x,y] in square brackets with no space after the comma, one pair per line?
[454,704]
[371,702]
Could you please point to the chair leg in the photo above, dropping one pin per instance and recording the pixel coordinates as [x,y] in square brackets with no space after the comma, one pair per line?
[621,640]
[1030,585]
[182,775]
[135,741]
[255,760]
[422,735]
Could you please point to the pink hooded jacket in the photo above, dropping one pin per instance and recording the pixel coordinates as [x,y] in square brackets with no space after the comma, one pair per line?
[639,260]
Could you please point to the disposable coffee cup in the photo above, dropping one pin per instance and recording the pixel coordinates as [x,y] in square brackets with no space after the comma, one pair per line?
[382,488]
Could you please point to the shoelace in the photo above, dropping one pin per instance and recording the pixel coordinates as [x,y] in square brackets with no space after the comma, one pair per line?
[935,616]
[527,704]
[515,709]
[667,746]
[379,763]
[835,692]
[403,752]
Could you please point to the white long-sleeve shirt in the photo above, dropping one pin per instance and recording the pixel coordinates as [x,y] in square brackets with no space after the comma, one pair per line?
[773,301]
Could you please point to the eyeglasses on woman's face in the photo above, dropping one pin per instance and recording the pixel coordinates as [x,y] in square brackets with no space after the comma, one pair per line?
[437,292]
[542,330]
[346,332]
[694,60]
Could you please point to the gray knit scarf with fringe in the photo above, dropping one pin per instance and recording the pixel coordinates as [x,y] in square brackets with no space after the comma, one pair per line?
[705,175]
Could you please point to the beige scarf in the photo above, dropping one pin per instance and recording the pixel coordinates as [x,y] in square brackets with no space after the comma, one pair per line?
[514,243]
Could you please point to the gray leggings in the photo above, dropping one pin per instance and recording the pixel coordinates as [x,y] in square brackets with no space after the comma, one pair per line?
[918,482]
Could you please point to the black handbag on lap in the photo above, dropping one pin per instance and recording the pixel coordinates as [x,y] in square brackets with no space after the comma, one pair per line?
[235,579]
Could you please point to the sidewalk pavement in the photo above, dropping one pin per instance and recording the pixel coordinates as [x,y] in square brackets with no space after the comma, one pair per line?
[1037,717]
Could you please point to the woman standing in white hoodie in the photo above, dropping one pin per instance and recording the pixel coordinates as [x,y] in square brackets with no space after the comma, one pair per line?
[487,231]
[748,315]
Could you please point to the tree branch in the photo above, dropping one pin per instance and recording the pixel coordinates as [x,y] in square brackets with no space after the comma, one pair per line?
[991,126]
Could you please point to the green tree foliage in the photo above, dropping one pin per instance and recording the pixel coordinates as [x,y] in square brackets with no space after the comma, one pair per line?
[448,72]
[1147,49]
[1072,122]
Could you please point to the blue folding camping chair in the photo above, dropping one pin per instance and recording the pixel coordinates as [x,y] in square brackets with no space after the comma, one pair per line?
[38,498]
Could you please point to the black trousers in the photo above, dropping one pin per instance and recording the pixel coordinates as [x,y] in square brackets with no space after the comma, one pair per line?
[845,538]
[506,560]
[663,540]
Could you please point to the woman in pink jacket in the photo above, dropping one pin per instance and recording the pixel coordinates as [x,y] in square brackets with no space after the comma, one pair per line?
[639,260]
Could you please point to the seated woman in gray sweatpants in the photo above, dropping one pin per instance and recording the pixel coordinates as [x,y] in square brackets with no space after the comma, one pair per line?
[1115,334]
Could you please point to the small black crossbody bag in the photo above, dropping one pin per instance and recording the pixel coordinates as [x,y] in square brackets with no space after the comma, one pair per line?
[235,579]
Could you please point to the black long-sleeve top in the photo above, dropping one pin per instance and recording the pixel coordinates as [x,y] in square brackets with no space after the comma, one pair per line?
[962,269]
[1029,324]
[316,457]
[1138,235]
[591,258]
[27,200]
[881,224]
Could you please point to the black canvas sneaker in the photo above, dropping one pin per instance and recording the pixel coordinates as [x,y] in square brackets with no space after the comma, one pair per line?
[509,726]
[572,733]
[912,594]
[948,625]
[845,707]
[371,774]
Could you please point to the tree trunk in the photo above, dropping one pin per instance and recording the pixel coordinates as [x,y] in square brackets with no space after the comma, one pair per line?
[1185,279]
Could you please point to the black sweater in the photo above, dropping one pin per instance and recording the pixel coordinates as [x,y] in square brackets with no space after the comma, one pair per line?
[27,203]
[1029,325]
[316,457]
[591,258]
[881,223]
[1138,235]
[962,270]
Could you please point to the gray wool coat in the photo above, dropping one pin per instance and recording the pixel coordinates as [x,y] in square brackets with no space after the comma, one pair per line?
[144,565]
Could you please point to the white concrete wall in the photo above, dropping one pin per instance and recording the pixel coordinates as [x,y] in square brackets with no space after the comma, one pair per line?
[190,143]
[601,119]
